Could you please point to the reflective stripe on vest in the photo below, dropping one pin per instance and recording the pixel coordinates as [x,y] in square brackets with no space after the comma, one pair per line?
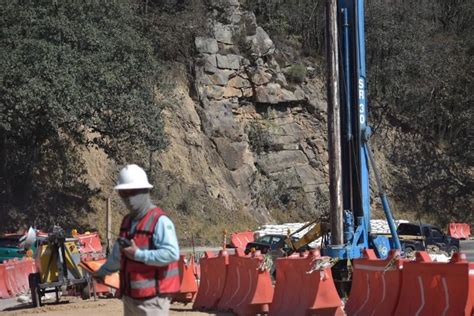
[141,284]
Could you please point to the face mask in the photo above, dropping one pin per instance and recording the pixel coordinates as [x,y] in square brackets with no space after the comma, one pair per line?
[137,204]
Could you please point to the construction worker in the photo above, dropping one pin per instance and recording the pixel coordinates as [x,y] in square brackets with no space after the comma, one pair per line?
[147,251]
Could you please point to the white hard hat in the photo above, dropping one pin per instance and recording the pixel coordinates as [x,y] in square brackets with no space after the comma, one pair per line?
[132,177]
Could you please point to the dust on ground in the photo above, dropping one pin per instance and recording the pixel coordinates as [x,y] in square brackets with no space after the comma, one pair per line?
[74,306]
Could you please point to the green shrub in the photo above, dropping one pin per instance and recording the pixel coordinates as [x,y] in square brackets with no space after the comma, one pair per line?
[259,138]
[296,73]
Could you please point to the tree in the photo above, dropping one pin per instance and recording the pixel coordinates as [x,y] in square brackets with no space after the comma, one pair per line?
[420,83]
[72,73]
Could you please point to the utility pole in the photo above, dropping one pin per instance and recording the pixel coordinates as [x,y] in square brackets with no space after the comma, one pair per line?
[334,124]
[108,226]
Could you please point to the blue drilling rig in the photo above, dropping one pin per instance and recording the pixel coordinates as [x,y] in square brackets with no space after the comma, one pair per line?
[355,153]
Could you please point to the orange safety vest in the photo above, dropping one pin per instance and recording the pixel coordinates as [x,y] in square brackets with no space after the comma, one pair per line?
[137,279]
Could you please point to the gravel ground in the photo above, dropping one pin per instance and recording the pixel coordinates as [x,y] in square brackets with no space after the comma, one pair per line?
[73,306]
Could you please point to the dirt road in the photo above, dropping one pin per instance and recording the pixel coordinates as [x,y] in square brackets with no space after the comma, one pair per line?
[72,306]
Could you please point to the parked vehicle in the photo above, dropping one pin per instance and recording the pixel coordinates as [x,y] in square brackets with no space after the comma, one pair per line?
[271,242]
[12,246]
[417,237]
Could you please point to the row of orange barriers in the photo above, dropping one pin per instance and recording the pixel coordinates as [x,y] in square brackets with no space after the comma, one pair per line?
[400,287]
[14,276]
[393,286]
[459,230]
[242,284]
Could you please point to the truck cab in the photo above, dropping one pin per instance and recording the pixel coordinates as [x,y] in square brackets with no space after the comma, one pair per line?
[418,237]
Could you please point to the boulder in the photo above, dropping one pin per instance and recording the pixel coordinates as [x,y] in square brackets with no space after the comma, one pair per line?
[230,92]
[228,61]
[223,33]
[260,77]
[206,45]
[210,63]
[260,44]
[220,77]
[240,81]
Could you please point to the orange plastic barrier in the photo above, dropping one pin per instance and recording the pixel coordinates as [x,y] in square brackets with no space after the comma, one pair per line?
[10,278]
[14,276]
[89,243]
[459,230]
[248,287]
[187,280]
[241,239]
[435,288]
[376,284]
[22,269]
[299,292]
[3,283]
[213,276]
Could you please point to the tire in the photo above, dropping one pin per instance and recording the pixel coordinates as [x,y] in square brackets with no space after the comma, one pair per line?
[452,250]
[33,282]
[409,250]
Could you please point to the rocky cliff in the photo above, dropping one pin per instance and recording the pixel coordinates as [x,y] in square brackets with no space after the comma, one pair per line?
[240,131]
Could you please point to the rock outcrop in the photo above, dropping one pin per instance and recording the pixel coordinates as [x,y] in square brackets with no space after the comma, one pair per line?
[252,138]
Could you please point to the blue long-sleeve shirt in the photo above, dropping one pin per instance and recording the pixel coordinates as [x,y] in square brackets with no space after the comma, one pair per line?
[166,248]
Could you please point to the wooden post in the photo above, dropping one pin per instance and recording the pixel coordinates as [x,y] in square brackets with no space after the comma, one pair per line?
[334,124]
[108,227]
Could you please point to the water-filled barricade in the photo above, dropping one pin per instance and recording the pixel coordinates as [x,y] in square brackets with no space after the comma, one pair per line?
[22,269]
[187,278]
[3,283]
[14,276]
[241,239]
[213,270]
[89,243]
[248,288]
[459,230]
[434,288]
[302,290]
[376,284]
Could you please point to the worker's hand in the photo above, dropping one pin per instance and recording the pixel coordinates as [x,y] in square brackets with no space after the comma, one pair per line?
[129,252]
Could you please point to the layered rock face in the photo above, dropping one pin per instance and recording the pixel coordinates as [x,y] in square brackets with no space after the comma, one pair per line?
[250,137]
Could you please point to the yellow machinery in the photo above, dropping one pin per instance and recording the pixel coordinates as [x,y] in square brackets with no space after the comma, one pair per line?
[58,261]
[318,230]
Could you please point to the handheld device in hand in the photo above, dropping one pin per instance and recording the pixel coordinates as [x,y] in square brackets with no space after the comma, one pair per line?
[124,242]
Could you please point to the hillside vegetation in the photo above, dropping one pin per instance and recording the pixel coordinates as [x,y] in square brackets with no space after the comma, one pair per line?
[82,76]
